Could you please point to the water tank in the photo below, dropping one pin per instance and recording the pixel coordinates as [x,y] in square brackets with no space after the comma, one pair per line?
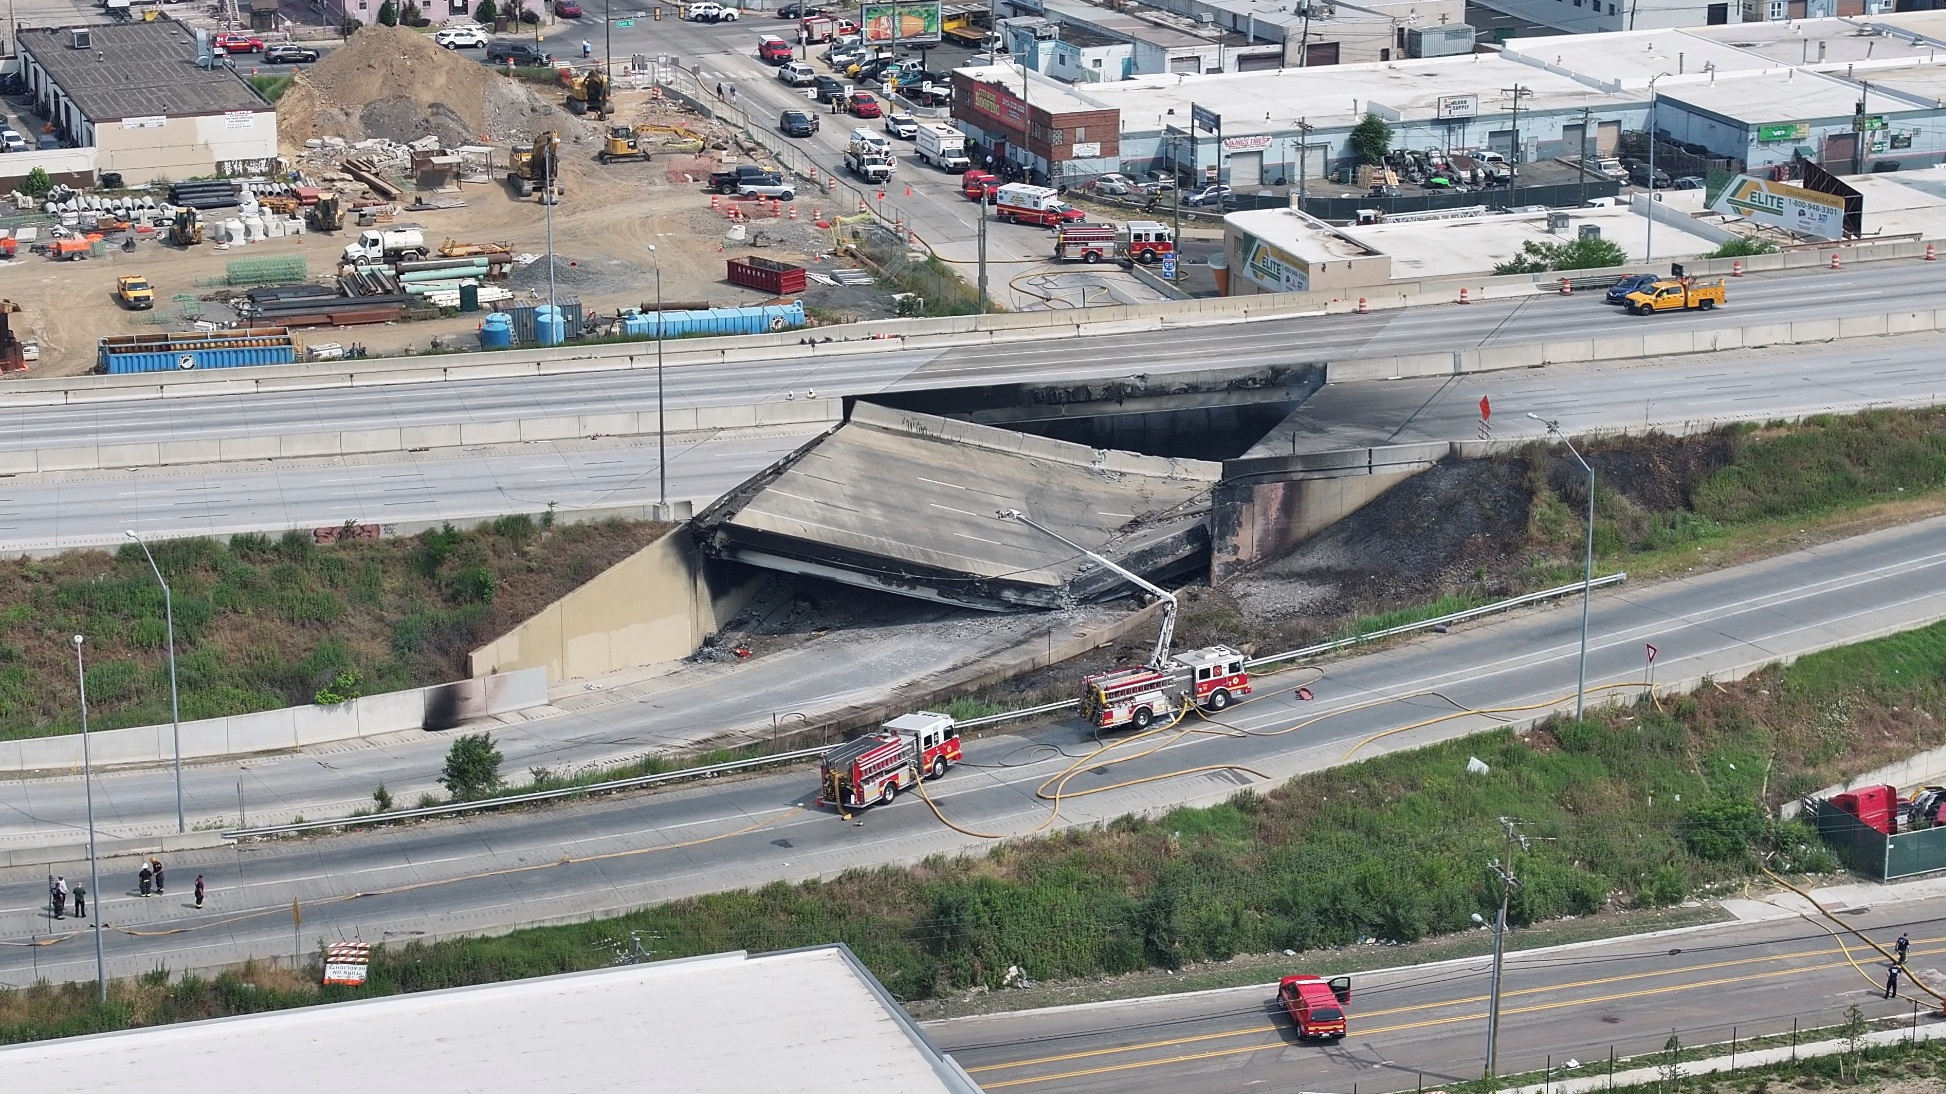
[550,328]
[498,330]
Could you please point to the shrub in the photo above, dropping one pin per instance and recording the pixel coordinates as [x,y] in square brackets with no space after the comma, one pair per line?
[472,766]
[1722,829]
[37,183]
[485,12]
[388,14]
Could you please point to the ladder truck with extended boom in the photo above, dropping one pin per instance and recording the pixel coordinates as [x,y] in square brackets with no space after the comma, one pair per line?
[1140,696]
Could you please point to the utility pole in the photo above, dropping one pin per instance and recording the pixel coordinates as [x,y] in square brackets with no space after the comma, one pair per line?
[982,235]
[1586,115]
[1175,188]
[1502,869]
[1304,129]
[1858,124]
[1513,162]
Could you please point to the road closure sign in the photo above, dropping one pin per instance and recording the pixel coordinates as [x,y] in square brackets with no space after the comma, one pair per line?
[1781,205]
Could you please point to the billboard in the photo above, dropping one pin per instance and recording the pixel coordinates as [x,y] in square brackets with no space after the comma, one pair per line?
[1271,268]
[1458,106]
[1781,205]
[904,22]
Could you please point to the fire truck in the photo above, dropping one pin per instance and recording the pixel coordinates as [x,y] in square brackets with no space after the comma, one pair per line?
[1315,1004]
[875,767]
[1146,241]
[1212,677]
[1084,242]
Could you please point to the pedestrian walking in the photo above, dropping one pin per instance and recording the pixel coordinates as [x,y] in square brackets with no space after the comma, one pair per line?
[155,869]
[587,50]
[1904,943]
[199,891]
[59,891]
[142,879]
[1892,981]
[80,901]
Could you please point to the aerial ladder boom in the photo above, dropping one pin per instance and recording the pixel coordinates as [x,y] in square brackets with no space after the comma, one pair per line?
[1158,660]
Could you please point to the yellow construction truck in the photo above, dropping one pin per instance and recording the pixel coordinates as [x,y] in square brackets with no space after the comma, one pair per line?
[588,94]
[1675,294]
[134,292]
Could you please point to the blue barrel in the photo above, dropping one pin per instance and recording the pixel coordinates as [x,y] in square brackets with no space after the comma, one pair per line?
[497,332]
[550,329]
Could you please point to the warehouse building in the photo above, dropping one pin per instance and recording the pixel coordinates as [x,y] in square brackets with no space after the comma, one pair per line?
[656,1028]
[146,98]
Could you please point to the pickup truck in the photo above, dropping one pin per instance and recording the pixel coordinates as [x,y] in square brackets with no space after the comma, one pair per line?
[867,161]
[1315,1004]
[744,174]
[1675,294]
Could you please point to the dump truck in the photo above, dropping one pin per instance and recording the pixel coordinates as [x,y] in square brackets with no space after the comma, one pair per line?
[388,245]
[623,143]
[1315,1004]
[1675,294]
[874,768]
[134,292]
[536,165]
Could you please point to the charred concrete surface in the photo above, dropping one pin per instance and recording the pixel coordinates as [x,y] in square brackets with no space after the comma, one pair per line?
[906,502]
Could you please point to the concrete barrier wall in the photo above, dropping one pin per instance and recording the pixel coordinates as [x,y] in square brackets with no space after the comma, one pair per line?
[890,335]
[652,607]
[437,707]
[996,439]
[408,438]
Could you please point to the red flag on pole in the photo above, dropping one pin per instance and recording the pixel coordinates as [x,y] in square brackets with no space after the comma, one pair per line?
[1651,653]
[1486,409]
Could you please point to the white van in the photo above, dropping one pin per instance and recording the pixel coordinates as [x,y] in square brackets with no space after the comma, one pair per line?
[872,136]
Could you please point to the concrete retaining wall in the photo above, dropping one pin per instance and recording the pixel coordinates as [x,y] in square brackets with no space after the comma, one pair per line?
[1919,770]
[1052,450]
[891,335]
[440,706]
[652,607]
[412,438]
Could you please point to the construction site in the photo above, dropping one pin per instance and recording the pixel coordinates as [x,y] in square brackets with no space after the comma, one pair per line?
[432,166]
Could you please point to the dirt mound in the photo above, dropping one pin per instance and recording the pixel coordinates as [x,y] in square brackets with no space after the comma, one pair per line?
[394,83]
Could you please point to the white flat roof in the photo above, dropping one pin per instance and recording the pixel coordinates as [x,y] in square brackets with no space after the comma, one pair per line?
[1765,97]
[1925,24]
[1299,235]
[1926,82]
[804,1022]
[1337,96]
[1796,41]
[1630,59]
[1446,248]
[1904,202]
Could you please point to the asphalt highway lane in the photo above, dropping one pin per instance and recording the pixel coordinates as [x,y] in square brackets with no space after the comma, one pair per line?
[1426,1025]
[574,861]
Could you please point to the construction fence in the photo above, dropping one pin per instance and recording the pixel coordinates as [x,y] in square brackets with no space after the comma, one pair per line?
[1873,854]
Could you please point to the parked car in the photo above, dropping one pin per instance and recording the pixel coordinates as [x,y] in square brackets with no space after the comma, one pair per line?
[1618,292]
[1116,185]
[290,55]
[238,43]
[1639,175]
[461,37]
[829,89]
[797,123]
[902,126]
[11,141]
[797,74]
[567,9]
[863,104]
[1215,194]
[525,54]
[1690,182]
[799,11]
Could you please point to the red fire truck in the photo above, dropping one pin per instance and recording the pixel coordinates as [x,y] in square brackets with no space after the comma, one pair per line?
[1146,241]
[1088,243]
[875,767]
[1317,1005]
[1213,676]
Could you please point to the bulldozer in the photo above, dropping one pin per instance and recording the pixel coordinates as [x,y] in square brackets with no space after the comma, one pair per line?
[187,229]
[588,94]
[538,166]
[328,215]
[623,143]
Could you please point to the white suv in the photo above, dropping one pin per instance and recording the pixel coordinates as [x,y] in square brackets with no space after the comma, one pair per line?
[461,38]
[707,12]
[798,74]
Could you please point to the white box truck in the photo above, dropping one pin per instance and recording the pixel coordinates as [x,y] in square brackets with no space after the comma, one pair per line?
[944,147]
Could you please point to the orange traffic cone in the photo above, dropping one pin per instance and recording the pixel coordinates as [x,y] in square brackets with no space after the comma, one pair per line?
[861,203]
[1929,254]
[1835,264]
[1463,297]
[716,201]
[793,212]
[1736,268]
[908,189]
[1567,287]
[1362,306]
[817,213]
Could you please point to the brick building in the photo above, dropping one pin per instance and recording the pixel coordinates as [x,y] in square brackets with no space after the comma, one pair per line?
[1036,122]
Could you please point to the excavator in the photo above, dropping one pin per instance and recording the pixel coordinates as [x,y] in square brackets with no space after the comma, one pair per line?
[623,144]
[187,229]
[538,167]
[588,94]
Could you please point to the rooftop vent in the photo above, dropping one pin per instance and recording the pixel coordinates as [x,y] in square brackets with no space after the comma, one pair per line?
[80,38]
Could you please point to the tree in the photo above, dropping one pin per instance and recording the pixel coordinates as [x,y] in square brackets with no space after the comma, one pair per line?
[1579,254]
[1854,1031]
[485,12]
[1743,247]
[38,183]
[472,767]
[1371,139]
[388,14]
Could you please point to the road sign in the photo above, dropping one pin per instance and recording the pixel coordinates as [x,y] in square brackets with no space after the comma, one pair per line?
[624,24]
[1169,267]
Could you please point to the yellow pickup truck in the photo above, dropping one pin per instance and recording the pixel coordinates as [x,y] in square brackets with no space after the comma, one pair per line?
[134,293]
[1675,294]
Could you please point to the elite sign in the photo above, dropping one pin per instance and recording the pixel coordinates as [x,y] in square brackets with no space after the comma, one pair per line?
[1781,205]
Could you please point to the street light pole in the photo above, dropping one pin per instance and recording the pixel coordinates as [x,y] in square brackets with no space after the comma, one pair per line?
[661,421]
[88,790]
[1588,570]
[175,709]
[1648,234]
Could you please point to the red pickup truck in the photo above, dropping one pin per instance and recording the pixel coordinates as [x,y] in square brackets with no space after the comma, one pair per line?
[1317,1005]
[238,43]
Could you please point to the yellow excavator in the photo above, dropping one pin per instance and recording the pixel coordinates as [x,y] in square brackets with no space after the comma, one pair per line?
[588,94]
[623,144]
[328,215]
[536,166]
[187,229]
